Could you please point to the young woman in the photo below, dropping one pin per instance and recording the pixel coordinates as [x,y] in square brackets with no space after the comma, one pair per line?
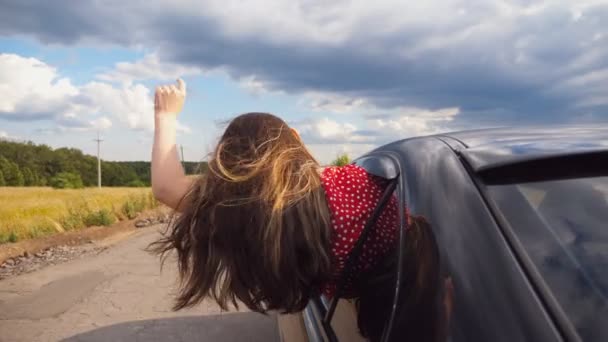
[265,226]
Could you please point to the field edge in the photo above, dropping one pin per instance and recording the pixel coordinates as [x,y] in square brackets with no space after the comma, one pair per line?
[75,237]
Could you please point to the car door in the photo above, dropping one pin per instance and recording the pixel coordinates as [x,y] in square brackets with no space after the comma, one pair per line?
[493,297]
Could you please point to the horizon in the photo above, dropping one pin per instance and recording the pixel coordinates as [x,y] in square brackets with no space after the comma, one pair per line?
[349,76]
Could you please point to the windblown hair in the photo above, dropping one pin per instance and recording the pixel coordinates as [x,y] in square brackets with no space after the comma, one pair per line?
[421,315]
[256,227]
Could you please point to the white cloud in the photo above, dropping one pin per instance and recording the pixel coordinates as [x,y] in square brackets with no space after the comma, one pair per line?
[406,122]
[34,90]
[326,153]
[466,53]
[4,135]
[590,88]
[327,138]
[31,88]
[280,21]
[183,128]
[7,136]
[365,60]
[377,125]
[253,85]
[326,130]
[334,23]
[131,104]
[384,125]
[333,102]
[101,123]
[148,68]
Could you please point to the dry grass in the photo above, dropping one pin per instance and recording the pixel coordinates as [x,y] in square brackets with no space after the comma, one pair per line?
[28,212]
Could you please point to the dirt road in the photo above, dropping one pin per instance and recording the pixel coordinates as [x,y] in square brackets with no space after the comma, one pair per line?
[119,294]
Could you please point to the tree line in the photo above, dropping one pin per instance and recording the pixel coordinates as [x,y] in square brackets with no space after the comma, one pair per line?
[29,164]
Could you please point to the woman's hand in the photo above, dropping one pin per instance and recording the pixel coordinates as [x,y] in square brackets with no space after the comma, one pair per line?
[169,99]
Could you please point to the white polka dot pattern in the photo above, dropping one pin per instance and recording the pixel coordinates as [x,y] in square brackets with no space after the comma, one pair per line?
[352,194]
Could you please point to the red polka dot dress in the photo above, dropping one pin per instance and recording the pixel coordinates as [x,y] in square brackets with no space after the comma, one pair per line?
[352,195]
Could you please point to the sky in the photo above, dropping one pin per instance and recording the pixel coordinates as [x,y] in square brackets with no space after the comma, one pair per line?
[348,75]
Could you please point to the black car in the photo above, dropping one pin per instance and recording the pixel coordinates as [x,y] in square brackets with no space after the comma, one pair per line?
[521,220]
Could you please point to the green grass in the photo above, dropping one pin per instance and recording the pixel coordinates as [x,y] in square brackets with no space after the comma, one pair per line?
[31,212]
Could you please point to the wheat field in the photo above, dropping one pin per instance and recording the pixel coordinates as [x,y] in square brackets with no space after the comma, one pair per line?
[29,212]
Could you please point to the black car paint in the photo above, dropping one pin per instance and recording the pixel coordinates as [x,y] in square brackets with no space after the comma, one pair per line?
[493,148]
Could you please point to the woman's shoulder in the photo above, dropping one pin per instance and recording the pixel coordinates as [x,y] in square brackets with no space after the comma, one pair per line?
[349,184]
[343,172]
[348,177]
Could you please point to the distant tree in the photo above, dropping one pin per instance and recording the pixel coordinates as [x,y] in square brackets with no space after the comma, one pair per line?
[194,168]
[2,182]
[28,177]
[341,160]
[25,163]
[117,174]
[36,178]
[42,181]
[4,165]
[11,172]
[66,180]
[136,184]
[16,176]
[141,171]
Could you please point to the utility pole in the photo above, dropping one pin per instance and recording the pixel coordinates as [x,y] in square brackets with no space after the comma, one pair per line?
[98,161]
[181,147]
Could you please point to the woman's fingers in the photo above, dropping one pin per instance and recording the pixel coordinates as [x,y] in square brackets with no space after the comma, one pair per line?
[170,98]
[181,86]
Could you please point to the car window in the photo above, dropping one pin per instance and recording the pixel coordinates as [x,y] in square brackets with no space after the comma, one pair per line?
[563,227]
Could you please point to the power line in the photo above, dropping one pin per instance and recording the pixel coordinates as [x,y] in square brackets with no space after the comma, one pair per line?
[98,161]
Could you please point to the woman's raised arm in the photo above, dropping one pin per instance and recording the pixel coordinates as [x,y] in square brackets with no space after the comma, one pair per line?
[169,182]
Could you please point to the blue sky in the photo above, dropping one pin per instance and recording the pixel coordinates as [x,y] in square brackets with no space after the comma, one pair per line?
[350,75]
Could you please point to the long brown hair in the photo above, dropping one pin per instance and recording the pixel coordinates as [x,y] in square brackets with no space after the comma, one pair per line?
[421,315]
[256,228]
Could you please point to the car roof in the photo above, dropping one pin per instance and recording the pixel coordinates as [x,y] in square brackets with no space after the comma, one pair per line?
[496,147]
